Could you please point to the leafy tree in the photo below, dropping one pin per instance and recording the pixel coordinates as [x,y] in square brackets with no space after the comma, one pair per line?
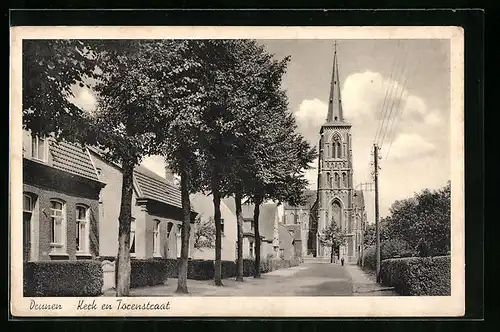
[50,69]
[332,237]
[181,130]
[204,235]
[419,224]
[271,156]
[140,87]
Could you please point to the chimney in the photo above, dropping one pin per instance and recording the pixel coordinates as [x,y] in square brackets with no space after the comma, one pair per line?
[169,175]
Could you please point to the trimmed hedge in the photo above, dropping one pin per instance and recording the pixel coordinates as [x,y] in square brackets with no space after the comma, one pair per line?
[155,271]
[63,278]
[388,250]
[420,276]
[228,269]
[147,272]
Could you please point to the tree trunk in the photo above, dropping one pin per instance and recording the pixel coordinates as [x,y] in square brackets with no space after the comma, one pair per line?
[239,220]
[185,232]
[124,219]
[256,212]
[218,239]
[331,254]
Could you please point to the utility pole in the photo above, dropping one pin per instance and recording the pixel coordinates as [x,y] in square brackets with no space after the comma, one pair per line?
[377,226]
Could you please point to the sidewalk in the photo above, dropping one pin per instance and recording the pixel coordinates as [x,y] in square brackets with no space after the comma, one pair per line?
[272,282]
[365,285]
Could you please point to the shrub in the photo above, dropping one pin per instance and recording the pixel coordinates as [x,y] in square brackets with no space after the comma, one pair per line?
[420,276]
[228,269]
[199,269]
[63,278]
[389,249]
[248,267]
[369,258]
[148,272]
[294,262]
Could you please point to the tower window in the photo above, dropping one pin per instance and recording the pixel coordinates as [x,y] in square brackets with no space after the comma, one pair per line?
[344,180]
[336,118]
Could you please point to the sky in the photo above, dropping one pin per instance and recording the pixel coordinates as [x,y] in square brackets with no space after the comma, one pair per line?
[411,78]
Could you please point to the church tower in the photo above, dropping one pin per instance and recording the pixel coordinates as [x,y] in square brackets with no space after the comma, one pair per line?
[335,173]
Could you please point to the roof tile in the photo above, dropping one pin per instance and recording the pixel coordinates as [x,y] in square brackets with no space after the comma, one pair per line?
[72,159]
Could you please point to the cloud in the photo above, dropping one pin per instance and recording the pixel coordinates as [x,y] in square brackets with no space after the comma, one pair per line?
[410,147]
[416,135]
[310,115]
[369,96]
[432,119]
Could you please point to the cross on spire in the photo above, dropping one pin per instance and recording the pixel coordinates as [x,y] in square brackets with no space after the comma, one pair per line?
[335,113]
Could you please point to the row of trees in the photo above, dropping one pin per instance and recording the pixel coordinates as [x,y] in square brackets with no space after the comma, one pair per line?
[419,225]
[215,109]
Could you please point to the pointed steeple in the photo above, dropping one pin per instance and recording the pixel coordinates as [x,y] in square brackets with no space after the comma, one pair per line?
[335,104]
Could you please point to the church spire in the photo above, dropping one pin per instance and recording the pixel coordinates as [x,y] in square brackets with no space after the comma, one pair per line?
[335,104]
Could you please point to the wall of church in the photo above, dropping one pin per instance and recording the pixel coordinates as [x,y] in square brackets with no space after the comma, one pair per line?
[335,182]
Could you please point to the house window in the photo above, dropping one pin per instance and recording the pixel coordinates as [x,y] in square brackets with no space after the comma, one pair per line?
[296,218]
[28,207]
[39,148]
[82,229]
[251,249]
[179,240]
[58,223]
[156,237]
[222,226]
[132,237]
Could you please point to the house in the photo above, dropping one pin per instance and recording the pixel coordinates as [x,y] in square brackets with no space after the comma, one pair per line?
[156,212]
[203,205]
[268,224]
[60,201]
[286,243]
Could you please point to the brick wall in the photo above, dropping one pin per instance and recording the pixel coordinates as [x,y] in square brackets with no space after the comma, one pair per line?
[41,221]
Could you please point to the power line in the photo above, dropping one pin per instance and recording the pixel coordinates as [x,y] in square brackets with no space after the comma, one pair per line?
[393,99]
[401,110]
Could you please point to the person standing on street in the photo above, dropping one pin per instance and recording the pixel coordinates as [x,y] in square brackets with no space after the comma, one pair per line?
[342,260]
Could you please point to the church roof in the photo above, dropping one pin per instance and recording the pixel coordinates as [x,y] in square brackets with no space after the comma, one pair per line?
[335,111]
[358,198]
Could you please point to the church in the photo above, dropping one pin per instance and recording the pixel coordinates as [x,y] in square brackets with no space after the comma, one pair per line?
[337,200]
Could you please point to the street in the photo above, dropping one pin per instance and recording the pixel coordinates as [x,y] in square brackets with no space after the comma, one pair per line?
[308,279]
